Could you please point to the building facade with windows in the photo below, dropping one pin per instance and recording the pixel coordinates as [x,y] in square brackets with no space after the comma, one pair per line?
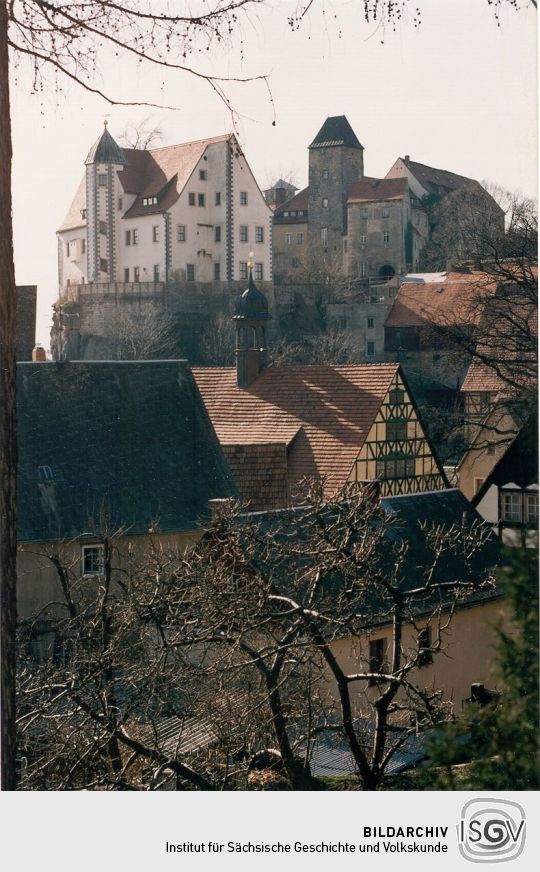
[191,213]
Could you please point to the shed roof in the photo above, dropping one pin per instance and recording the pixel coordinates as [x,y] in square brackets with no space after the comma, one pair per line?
[128,444]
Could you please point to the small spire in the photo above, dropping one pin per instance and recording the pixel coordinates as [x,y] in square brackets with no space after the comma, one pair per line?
[105,123]
[251,264]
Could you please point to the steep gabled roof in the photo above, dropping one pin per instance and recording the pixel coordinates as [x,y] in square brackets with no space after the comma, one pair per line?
[74,217]
[335,131]
[369,189]
[127,444]
[323,413]
[162,173]
[436,181]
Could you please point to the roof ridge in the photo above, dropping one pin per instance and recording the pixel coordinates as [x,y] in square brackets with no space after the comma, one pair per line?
[217,138]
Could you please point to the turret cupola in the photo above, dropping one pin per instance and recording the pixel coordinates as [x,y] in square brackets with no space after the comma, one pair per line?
[250,320]
[105,151]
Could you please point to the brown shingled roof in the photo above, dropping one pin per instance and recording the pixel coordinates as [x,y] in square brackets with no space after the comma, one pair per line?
[432,179]
[297,203]
[323,413]
[368,189]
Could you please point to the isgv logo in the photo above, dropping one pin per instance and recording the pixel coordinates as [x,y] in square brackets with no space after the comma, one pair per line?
[491,830]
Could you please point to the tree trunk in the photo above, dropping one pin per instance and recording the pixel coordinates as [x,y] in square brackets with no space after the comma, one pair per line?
[8,450]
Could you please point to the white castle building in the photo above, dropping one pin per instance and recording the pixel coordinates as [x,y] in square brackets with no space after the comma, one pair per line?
[191,212]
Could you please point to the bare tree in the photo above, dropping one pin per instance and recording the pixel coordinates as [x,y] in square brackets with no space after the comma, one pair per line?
[245,651]
[331,348]
[146,333]
[217,342]
[144,134]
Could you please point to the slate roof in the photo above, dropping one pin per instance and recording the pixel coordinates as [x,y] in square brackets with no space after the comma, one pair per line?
[336,130]
[297,203]
[126,441]
[459,299]
[368,189]
[322,413]
[106,150]
[433,179]
[518,464]
[441,508]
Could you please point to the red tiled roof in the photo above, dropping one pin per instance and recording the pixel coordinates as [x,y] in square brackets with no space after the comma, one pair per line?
[367,189]
[460,299]
[323,413]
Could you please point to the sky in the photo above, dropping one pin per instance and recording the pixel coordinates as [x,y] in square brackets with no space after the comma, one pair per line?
[458,93]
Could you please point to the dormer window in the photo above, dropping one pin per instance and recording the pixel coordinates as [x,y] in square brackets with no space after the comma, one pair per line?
[149,201]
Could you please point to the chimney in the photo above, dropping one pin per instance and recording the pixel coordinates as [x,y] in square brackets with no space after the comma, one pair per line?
[39,353]
[407,157]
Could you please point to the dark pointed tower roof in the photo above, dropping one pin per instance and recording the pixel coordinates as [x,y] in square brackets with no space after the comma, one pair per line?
[106,150]
[336,130]
[252,303]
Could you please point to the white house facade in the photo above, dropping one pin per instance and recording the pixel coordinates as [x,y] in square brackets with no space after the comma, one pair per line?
[191,213]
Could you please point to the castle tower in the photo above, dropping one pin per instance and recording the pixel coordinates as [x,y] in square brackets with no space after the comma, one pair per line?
[103,189]
[336,160]
[250,321]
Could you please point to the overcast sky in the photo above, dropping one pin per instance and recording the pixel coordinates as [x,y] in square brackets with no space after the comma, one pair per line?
[457,93]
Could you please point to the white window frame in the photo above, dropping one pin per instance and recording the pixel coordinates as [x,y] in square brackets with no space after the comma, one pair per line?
[243,233]
[181,233]
[243,198]
[96,562]
[512,507]
[259,234]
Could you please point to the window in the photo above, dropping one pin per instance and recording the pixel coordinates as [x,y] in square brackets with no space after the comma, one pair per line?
[288,238]
[149,201]
[83,246]
[364,213]
[386,236]
[396,396]
[180,232]
[478,482]
[218,198]
[324,235]
[363,239]
[243,233]
[191,198]
[396,430]
[217,271]
[259,234]
[511,507]
[128,237]
[385,212]
[156,272]
[217,234]
[325,202]
[243,198]
[136,274]
[363,270]
[83,214]
[370,349]
[120,204]
[325,174]
[425,656]
[370,323]
[201,199]
[102,180]
[103,227]
[155,233]
[103,265]
[377,657]
[135,237]
[126,273]
[259,272]
[299,238]
[92,559]
[395,467]
[532,508]
[243,269]
[190,272]
[202,175]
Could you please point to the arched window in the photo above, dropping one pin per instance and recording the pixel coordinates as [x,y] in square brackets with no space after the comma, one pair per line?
[387,271]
